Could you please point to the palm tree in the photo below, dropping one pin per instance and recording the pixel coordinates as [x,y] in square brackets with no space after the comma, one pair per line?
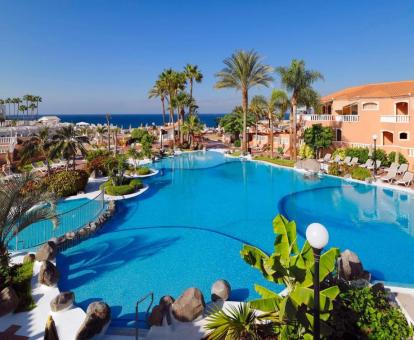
[41,144]
[244,70]
[32,106]
[21,207]
[69,143]
[8,101]
[192,126]
[180,101]
[27,98]
[297,79]
[174,81]
[38,100]
[257,108]
[22,108]
[159,90]
[18,102]
[101,130]
[192,73]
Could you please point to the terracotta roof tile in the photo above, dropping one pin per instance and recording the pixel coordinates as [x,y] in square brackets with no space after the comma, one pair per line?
[379,90]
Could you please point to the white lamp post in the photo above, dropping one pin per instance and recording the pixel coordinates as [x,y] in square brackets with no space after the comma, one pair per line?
[318,238]
[374,138]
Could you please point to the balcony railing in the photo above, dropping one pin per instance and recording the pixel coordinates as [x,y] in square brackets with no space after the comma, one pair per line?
[395,119]
[332,118]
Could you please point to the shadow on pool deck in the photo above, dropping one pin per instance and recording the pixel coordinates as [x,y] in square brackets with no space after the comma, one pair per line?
[106,256]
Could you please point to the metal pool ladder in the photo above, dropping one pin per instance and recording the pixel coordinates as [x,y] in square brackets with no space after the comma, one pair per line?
[149,295]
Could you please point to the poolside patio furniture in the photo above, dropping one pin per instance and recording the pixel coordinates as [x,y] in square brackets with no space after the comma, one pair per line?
[347,160]
[371,167]
[389,177]
[336,160]
[406,180]
[393,166]
[367,164]
[403,168]
[353,162]
[325,159]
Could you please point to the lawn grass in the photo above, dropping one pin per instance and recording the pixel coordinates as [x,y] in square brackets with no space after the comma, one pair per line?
[235,154]
[282,162]
[22,284]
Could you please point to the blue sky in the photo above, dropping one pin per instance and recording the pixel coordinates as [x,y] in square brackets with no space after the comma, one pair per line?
[94,56]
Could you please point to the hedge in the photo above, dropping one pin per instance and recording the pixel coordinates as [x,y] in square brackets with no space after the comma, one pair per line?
[131,186]
[360,173]
[143,171]
[67,183]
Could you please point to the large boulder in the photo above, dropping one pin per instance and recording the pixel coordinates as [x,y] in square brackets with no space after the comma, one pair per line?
[350,267]
[160,311]
[308,164]
[220,290]
[98,316]
[62,301]
[48,274]
[8,301]
[46,252]
[189,306]
[29,258]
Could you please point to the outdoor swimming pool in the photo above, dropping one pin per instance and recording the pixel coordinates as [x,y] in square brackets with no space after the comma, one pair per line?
[188,228]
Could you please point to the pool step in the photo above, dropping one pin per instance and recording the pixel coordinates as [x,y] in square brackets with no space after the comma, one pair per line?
[406,302]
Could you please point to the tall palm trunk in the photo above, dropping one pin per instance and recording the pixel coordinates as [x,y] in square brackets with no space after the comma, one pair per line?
[245,104]
[172,121]
[271,134]
[163,110]
[293,138]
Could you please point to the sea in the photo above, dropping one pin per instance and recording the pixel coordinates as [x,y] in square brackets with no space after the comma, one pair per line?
[133,120]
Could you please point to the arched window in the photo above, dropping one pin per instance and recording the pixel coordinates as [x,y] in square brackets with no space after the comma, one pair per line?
[370,106]
[403,135]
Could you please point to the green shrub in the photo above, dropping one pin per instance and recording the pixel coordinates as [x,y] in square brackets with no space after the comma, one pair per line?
[334,169]
[381,155]
[92,154]
[361,153]
[360,173]
[98,164]
[278,161]
[401,159]
[22,284]
[237,143]
[67,183]
[143,171]
[305,151]
[365,313]
[129,186]
[339,152]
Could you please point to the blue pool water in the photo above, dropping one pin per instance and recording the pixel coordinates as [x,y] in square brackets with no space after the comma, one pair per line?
[188,228]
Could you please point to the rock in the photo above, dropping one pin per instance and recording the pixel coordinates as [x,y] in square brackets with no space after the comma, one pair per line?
[378,287]
[53,239]
[359,283]
[350,267]
[8,301]
[189,306]
[93,226]
[28,258]
[62,302]
[98,316]
[50,330]
[82,232]
[220,290]
[46,252]
[48,274]
[308,164]
[70,235]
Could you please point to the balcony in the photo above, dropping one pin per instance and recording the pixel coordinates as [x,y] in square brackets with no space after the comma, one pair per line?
[331,118]
[395,119]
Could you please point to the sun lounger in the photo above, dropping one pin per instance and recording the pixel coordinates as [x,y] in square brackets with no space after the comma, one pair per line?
[353,162]
[347,160]
[390,177]
[367,164]
[402,169]
[336,160]
[378,165]
[406,180]
[393,166]
[325,159]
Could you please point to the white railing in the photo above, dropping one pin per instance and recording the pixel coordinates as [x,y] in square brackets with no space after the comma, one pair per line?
[347,118]
[331,118]
[395,119]
[318,118]
[8,140]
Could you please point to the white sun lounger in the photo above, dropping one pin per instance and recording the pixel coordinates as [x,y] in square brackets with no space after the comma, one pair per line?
[371,167]
[393,166]
[325,159]
[367,164]
[347,160]
[336,160]
[406,180]
[354,161]
[402,169]
[390,177]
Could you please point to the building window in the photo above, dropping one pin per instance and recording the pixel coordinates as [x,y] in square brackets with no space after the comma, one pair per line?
[370,106]
[338,135]
[403,136]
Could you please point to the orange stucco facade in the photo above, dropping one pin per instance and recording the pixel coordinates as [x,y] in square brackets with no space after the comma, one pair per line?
[357,114]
